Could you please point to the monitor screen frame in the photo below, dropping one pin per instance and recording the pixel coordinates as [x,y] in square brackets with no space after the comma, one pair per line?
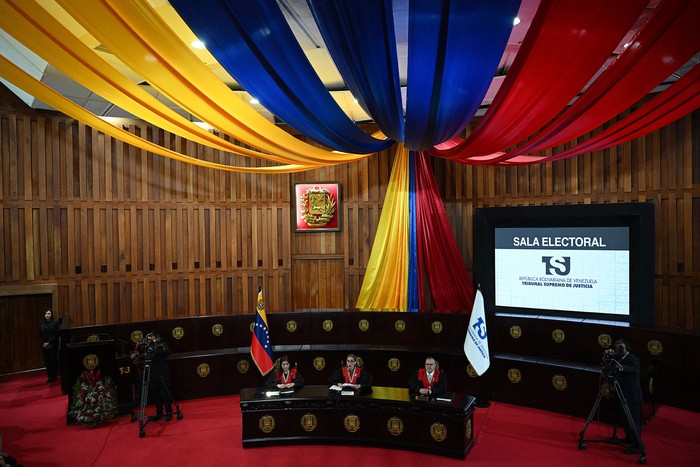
[637,217]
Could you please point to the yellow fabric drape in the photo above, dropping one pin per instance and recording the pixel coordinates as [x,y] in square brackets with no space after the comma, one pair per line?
[20,78]
[384,287]
[139,37]
[39,31]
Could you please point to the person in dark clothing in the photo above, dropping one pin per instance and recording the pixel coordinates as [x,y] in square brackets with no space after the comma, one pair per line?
[154,352]
[48,339]
[628,377]
[428,381]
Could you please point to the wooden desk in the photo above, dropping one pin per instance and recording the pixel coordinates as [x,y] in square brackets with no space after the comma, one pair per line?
[385,418]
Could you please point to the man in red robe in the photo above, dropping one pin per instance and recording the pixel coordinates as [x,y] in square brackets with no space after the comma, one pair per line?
[428,381]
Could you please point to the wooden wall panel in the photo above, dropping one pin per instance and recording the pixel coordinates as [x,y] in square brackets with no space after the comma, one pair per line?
[129,236]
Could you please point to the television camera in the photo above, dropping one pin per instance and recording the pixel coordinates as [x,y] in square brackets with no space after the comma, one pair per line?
[610,362]
[149,348]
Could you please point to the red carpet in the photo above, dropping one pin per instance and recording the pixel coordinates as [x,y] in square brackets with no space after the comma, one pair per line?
[32,420]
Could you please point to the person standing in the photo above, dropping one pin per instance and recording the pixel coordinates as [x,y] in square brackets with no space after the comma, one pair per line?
[157,351]
[628,377]
[48,339]
[428,381]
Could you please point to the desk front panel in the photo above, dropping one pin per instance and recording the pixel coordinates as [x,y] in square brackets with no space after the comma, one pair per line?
[386,418]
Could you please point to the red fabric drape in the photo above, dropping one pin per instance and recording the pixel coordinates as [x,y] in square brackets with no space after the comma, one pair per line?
[579,35]
[450,282]
[680,99]
[669,39]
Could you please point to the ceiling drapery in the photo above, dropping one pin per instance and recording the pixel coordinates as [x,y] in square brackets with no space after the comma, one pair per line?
[43,34]
[668,40]
[452,51]
[360,38]
[537,87]
[275,70]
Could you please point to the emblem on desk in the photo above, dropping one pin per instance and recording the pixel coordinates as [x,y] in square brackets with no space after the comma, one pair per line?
[436,327]
[203,370]
[291,325]
[178,333]
[363,325]
[604,340]
[394,364]
[559,382]
[655,347]
[136,337]
[468,429]
[516,331]
[243,366]
[319,363]
[471,371]
[400,325]
[217,329]
[352,423]
[438,431]
[327,325]
[514,375]
[309,422]
[91,361]
[558,336]
[93,338]
[395,426]
[266,423]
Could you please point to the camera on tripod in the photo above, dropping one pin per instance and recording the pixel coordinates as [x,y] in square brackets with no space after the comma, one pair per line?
[149,348]
[610,364]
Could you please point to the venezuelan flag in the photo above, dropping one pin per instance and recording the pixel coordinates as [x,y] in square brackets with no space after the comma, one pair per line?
[261,347]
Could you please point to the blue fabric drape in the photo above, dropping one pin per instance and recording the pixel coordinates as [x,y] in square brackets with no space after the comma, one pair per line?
[454,50]
[360,37]
[275,69]
[414,282]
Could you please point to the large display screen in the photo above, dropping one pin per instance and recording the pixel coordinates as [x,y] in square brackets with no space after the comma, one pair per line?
[590,261]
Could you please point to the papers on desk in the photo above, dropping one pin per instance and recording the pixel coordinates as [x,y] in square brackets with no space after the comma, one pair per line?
[445,397]
[278,392]
[343,390]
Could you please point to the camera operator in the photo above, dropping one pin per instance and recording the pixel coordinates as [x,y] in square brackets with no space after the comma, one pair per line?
[628,370]
[154,352]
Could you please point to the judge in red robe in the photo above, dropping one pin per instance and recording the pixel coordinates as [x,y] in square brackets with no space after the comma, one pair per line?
[284,377]
[351,375]
[428,381]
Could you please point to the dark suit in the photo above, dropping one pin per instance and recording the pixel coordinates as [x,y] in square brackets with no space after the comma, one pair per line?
[160,379]
[628,377]
[48,333]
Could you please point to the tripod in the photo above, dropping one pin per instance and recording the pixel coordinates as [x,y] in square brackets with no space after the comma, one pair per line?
[145,384]
[609,381]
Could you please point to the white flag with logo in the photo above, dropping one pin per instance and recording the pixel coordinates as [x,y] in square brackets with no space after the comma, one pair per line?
[476,344]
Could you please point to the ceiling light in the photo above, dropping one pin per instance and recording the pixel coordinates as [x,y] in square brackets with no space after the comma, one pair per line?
[516,21]
[197,44]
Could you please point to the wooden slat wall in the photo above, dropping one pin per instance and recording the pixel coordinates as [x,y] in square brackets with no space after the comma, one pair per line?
[129,236]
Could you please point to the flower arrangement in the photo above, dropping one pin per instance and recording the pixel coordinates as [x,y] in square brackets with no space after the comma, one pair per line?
[94,399]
